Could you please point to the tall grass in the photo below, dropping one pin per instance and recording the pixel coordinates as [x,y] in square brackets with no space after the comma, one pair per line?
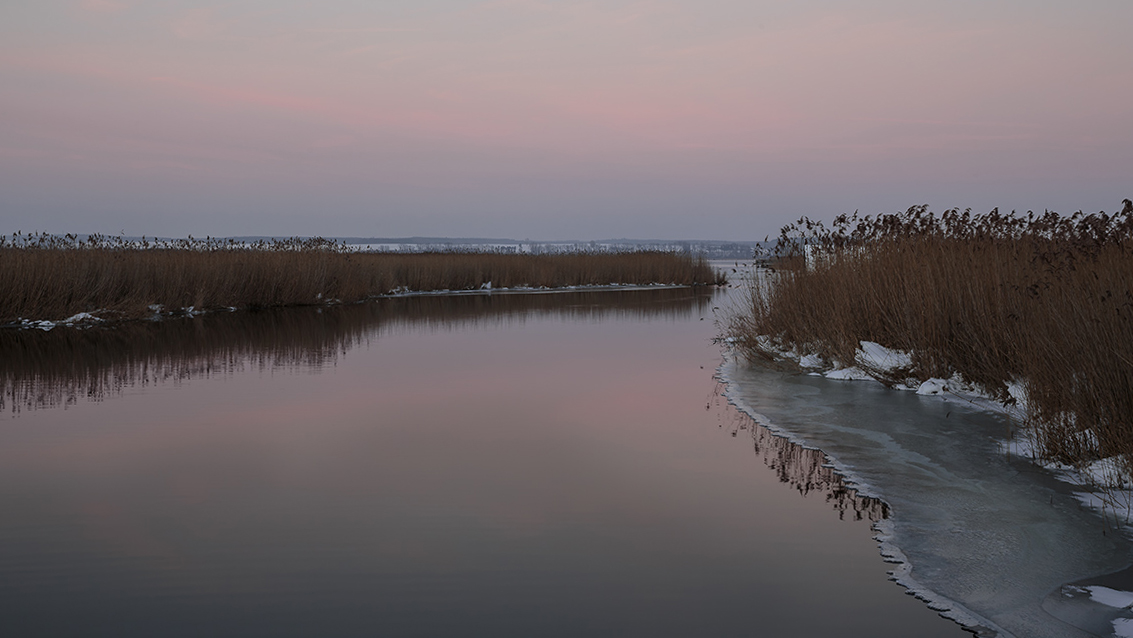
[49,277]
[1045,301]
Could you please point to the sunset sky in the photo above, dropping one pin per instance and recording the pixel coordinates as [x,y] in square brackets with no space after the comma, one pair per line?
[551,119]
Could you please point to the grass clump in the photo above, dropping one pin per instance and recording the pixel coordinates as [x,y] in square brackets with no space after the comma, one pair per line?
[1044,302]
[51,277]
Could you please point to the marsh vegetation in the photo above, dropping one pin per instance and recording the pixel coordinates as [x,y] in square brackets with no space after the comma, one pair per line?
[1038,302]
[52,277]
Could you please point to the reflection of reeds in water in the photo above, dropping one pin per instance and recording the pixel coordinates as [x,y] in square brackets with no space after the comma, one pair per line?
[806,470]
[60,367]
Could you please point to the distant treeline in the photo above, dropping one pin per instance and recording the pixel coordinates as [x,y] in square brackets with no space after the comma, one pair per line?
[1045,301]
[52,277]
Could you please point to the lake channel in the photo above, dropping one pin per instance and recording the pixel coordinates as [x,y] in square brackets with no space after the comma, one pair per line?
[502,465]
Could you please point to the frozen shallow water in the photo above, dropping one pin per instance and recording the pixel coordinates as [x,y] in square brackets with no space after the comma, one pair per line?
[988,539]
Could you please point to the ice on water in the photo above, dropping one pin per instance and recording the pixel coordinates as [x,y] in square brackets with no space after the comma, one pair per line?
[982,536]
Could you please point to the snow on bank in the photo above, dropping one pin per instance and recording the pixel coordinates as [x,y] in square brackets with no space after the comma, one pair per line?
[1100,485]
[81,320]
[488,288]
[876,356]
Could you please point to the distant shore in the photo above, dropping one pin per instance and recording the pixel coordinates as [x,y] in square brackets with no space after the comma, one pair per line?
[71,282]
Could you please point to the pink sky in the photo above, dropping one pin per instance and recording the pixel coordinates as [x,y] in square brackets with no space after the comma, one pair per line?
[552,119]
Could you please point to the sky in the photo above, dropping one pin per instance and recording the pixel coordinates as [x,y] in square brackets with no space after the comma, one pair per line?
[552,119]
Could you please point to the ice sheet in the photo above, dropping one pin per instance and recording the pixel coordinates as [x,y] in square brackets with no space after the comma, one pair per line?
[982,536]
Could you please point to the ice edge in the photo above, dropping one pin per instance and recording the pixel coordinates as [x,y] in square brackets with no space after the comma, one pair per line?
[883,529]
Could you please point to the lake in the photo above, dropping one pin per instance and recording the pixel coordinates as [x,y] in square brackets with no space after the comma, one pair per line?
[507,465]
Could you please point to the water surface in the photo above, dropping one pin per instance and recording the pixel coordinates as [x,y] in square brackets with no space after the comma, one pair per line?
[504,465]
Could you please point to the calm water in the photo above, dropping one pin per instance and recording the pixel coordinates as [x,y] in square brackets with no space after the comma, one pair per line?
[504,465]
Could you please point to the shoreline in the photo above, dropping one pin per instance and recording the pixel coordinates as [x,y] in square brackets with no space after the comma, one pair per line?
[86,320]
[883,529]
[115,279]
[1073,600]
[877,363]
[1030,310]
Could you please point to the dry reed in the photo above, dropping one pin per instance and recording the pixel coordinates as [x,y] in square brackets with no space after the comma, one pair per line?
[50,277]
[1045,301]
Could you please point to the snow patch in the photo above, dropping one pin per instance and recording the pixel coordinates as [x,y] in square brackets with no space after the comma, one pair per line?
[811,361]
[1123,627]
[1017,391]
[82,317]
[886,360]
[933,387]
[80,320]
[404,291]
[38,325]
[1110,597]
[849,374]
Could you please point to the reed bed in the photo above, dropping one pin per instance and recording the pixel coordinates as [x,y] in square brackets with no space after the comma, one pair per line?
[1042,301]
[51,277]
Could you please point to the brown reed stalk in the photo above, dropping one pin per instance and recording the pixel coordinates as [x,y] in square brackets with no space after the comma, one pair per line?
[48,277]
[1043,300]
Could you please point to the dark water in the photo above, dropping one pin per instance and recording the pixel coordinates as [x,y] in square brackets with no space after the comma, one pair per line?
[504,465]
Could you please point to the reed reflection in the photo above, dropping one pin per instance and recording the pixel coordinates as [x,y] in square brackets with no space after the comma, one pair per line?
[806,470]
[58,368]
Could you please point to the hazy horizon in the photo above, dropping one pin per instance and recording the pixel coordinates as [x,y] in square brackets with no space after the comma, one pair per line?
[553,120]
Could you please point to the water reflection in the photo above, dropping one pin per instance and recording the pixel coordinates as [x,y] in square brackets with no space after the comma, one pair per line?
[58,368]
[505,466]
[806,470]
[61,367]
